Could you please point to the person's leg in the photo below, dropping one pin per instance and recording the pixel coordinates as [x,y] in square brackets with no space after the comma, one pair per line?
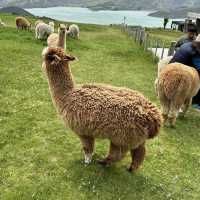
[196,99]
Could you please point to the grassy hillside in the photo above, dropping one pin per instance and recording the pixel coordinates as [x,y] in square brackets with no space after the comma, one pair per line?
[40,159]
[15,11]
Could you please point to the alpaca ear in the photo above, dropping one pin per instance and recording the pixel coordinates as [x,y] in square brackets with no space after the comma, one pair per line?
[69,58]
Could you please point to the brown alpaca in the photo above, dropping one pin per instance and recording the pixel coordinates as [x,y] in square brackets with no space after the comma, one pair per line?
[177,84]
[22,23]
[58,39]
[123,116]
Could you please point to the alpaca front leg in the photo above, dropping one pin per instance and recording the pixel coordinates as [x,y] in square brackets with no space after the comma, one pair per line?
[138,156]
[116,153]
[88,148]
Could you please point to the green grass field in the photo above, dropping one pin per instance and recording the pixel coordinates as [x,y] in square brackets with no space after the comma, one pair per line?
[42,160]
[166,36]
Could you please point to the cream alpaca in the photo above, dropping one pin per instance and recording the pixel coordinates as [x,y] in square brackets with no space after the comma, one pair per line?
[177,84]
[58,39]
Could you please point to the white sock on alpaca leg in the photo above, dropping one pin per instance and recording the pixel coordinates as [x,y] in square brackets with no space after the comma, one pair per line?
[88,158]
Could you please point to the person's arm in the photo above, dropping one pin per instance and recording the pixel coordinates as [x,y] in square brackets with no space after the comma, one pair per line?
[179,43]
[183,54]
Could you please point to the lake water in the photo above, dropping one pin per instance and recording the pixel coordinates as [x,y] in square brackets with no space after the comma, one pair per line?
[104,17]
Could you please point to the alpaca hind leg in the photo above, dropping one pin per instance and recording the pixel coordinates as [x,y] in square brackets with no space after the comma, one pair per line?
[165,111]
[88,148]
[138,156]
[116,153]
[173,114]
[36,34]
[164,102]
[187,104]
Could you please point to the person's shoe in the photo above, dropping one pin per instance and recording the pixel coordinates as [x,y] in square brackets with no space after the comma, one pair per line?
[196,107]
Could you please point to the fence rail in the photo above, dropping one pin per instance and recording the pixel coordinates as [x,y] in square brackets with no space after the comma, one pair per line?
[158,47]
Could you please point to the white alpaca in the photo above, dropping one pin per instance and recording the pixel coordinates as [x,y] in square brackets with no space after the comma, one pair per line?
[42,30]
[2,24]
[74,31]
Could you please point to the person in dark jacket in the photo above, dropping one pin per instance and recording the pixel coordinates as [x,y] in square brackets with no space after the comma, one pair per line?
[189,54]
[189,37]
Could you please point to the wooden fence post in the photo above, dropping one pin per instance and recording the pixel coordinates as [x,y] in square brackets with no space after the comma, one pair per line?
[163,50]
[156,50]
[172,48]
[136,35]
[146,41]
[142,36]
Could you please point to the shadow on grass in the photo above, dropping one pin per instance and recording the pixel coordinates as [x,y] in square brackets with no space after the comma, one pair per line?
[115,182]
[186,130]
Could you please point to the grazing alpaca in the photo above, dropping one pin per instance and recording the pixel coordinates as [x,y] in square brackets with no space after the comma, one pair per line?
[73,31]
[58,39]
[176,85]
[123,116]
[22,23]
[42,30]
[2,24]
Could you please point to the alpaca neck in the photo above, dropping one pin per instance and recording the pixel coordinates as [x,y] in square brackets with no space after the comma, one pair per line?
[61,84]
[61,40]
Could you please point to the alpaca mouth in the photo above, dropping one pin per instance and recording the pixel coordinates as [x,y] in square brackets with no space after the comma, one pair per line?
[53,57]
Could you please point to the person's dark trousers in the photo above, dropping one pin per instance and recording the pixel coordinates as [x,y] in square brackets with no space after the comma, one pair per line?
[196,99]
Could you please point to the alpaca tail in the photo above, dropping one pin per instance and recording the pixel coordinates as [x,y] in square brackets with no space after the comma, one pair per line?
[177,86]
[156,122]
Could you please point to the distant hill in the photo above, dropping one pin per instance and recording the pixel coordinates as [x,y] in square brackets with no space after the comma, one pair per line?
[175,14]
[15,11]
[107,4]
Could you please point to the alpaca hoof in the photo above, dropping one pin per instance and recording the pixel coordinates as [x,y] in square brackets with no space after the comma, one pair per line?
[104,162]
[182,116]
[130,169]
[88,159]
[133,168]
[165,118]
[172,126]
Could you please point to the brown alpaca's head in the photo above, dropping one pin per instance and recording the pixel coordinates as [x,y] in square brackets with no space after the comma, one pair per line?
[55,57]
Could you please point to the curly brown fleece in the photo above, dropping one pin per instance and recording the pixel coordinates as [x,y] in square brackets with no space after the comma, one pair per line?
[123,116]
[23,23]
[177,84]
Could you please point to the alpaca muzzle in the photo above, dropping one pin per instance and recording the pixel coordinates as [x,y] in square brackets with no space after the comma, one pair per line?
[53,58]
